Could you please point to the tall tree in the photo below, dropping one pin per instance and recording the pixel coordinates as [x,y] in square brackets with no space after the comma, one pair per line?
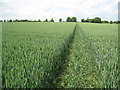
[68,19]
[46,20]
[10,20]
[4,20]
[97,20]
[111,22]
[87,20]
[52,20]
[60,20]
[74,19]
[82,20]
[39,20]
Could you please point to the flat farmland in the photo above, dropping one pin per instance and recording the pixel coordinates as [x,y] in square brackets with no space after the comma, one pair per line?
[59,55]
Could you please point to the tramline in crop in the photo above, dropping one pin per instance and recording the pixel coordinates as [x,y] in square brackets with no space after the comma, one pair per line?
[67,55]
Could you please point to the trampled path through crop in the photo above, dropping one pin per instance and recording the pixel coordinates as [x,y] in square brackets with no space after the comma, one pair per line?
[65,73]
[59,55]
[61,63]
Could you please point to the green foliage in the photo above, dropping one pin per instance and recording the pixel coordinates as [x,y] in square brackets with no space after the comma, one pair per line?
[55,55]
[118,21]
[32,51]
[87,20]
[51,20]
[68,19]
[46,20]
[93,60]
[4,20]
[60,20]
[103,40]
[39,20]
[73,19]
[82,20]
[111,22]
[105,22]
[97,20]
[91,20]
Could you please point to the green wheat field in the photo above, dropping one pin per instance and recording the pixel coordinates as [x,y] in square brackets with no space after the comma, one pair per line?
[59,55]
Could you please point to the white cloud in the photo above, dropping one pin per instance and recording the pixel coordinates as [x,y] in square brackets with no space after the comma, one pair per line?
[35,9]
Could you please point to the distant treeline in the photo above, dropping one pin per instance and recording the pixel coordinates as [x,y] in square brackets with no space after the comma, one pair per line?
[98,20]
[26,20]
[69,19]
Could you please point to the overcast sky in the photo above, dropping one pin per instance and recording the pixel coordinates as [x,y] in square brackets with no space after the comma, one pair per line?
[42,9]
